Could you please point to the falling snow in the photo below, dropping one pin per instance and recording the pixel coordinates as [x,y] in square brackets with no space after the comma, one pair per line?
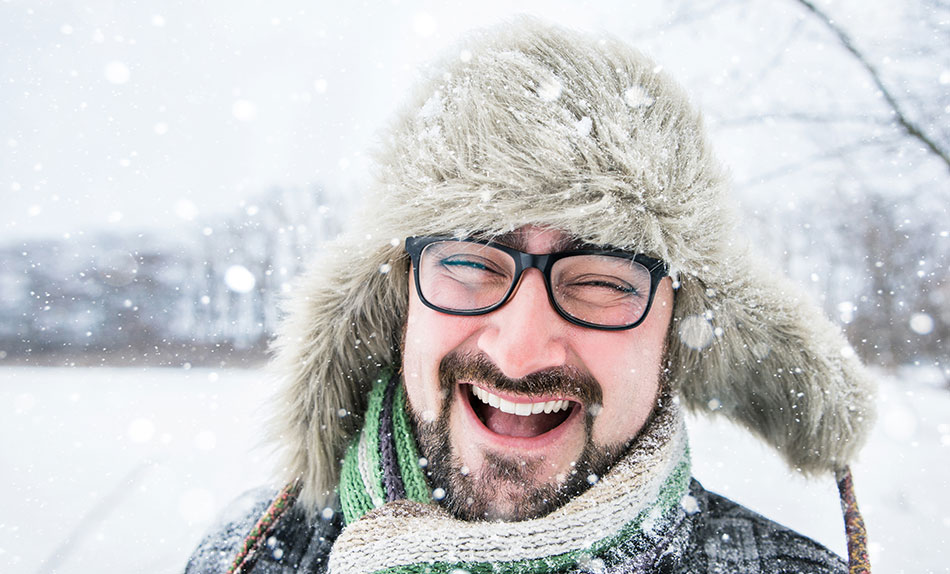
[637,97]
[244,110]
[550,90]
[689,504]
[186,209]
[921,323]
[239,279]
[432,107]
[696,332]
[117,73]
[584,126]
[169,449]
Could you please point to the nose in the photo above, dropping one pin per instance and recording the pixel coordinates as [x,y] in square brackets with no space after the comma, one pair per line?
[525,335]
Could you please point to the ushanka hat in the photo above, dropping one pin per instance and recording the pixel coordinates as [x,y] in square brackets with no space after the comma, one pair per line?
[528,124]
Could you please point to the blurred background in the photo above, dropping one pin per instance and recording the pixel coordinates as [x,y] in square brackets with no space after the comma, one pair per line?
[167,169]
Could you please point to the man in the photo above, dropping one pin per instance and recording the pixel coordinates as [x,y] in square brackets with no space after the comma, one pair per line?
[488,375]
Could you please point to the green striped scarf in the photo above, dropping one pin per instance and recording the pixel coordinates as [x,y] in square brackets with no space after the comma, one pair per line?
[395,527]
[361,480]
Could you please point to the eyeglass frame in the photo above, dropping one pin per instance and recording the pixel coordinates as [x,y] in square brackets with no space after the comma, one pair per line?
[544,262]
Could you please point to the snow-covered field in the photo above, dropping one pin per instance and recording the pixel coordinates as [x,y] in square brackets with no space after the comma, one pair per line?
[122,470]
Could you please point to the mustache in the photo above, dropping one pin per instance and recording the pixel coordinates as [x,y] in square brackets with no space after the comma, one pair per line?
[557,381]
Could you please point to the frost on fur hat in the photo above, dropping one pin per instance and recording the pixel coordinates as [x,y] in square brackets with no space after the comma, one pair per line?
[537,125]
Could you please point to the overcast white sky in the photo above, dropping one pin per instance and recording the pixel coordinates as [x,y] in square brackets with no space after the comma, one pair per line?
[135,115]
[138,114]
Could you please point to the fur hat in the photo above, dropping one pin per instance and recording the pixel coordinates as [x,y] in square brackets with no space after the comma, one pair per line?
[532,124]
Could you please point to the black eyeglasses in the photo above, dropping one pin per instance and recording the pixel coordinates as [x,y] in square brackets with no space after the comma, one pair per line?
[601,289]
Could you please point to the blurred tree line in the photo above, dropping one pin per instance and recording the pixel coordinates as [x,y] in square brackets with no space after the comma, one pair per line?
[209,297]
[833,118]
[880,270]
[877,267]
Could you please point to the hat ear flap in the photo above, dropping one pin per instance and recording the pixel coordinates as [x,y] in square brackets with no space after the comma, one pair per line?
[341,326]
[749,347]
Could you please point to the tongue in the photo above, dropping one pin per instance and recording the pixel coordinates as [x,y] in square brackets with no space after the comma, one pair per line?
[518,426]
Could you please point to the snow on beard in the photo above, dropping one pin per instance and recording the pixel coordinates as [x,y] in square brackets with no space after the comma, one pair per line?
[506,481]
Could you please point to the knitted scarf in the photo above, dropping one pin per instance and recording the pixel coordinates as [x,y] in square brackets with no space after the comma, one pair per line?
[629,516]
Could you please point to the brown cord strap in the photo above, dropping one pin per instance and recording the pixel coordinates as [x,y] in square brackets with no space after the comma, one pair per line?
[858,562]
[248,554]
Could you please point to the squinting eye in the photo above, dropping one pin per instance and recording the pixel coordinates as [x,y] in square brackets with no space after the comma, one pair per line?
[618,285]
[602,284]
[464,263]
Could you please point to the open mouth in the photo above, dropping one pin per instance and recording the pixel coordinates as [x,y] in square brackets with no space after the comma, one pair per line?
[521,419]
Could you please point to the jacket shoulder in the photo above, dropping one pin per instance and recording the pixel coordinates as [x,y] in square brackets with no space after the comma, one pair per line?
[728,537]
[294,544]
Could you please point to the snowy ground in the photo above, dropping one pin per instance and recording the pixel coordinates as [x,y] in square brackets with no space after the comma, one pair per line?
[117,471]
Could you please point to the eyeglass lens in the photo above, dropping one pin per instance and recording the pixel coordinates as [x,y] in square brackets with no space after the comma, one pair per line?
[599,289]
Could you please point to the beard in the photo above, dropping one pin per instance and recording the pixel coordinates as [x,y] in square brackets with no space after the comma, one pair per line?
[506,487]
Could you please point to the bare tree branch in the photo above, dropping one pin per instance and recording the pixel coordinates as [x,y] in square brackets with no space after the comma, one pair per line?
[827,118]
[778,52]
[910,127]
[807,162]
[686,13]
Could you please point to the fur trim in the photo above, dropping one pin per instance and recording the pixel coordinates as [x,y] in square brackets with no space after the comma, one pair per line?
[546,127]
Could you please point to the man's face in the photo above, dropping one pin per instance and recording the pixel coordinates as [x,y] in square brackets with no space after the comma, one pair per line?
[498,465]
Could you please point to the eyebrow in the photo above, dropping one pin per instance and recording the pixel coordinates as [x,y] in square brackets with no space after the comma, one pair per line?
[516,240]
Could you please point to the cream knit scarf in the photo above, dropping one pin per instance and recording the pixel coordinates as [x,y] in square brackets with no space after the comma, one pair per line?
[393,525]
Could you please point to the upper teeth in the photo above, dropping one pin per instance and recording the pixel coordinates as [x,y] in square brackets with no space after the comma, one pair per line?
[521,409]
